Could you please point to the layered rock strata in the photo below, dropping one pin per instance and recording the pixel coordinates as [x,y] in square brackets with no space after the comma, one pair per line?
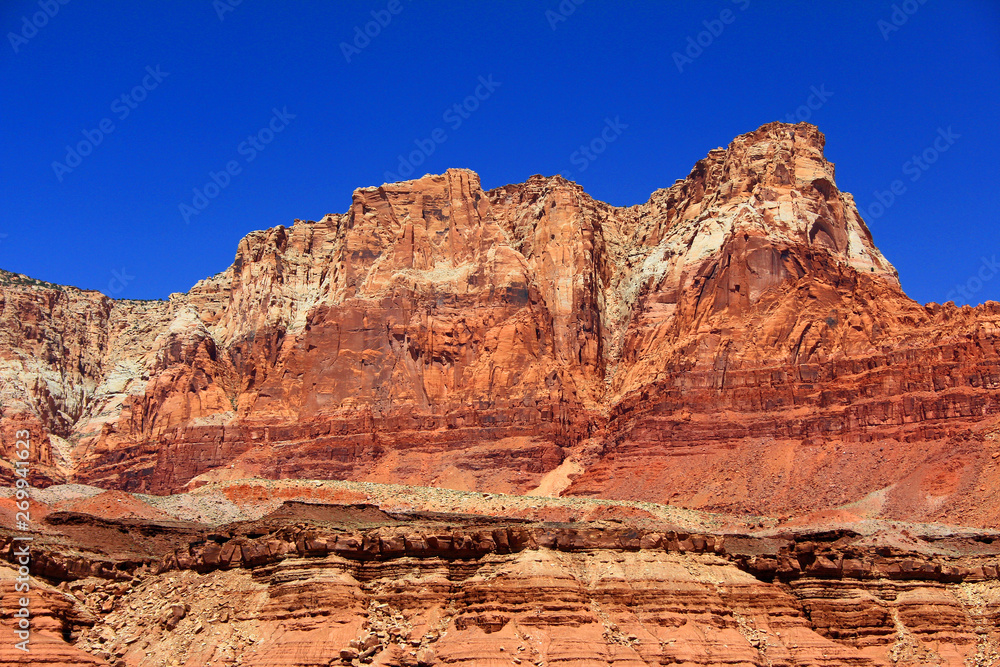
[363,586]
[736,343]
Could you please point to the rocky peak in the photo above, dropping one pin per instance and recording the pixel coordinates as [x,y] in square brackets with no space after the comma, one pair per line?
[773,183]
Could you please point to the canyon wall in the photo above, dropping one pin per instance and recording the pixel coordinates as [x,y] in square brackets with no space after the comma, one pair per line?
[737,343]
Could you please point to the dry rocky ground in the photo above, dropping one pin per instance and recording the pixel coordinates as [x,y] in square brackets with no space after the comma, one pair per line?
[293,572]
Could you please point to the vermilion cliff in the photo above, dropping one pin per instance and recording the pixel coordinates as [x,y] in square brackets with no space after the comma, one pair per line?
[737,343]
[708,429]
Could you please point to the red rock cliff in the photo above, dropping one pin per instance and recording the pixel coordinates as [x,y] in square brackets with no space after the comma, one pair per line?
[736,343]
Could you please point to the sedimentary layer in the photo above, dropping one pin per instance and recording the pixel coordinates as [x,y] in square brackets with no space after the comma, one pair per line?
[312,584]
[736,343]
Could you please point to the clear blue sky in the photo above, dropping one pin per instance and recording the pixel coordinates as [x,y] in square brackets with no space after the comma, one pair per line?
[212,83]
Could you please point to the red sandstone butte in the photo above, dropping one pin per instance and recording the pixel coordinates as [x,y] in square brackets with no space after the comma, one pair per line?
[737,343]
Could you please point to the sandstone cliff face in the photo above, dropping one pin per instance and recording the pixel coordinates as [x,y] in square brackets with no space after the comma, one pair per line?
[736,343]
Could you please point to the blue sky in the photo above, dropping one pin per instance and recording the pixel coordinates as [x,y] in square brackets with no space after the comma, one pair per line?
[292,106]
